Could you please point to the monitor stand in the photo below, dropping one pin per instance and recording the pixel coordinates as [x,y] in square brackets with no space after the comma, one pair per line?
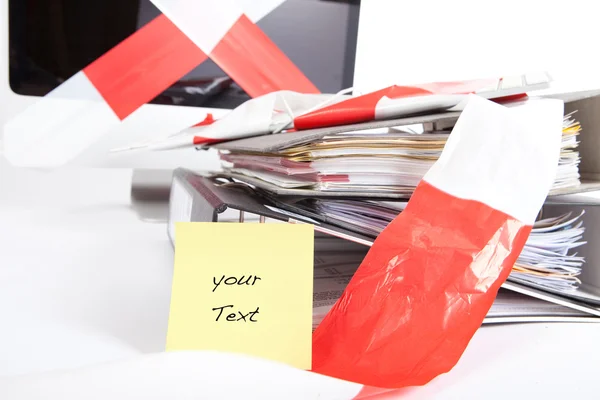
[150,191]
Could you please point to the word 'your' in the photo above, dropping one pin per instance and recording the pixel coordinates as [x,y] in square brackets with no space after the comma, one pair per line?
[232,280]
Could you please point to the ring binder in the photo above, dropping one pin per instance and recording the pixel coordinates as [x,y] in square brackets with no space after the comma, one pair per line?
[215,199]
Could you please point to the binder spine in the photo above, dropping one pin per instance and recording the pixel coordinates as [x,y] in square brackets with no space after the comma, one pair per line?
[191,201]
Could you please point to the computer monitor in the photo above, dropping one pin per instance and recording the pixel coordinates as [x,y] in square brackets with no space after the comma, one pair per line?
[47,41]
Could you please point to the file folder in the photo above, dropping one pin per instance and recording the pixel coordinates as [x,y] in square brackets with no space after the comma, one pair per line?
[197,198]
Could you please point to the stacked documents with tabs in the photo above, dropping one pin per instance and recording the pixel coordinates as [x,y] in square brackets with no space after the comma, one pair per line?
[334,270]
[568,166]
[548,260]
[363,161]
[391,160]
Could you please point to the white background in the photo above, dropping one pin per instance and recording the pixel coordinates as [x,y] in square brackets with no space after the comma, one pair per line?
[404,42]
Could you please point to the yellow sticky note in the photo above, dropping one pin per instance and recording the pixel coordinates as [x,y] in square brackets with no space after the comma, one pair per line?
[244,288]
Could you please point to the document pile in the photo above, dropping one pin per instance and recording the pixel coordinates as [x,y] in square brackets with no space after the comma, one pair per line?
[568,166]
[357,161]
[549,259]
[389,160]
[334,269]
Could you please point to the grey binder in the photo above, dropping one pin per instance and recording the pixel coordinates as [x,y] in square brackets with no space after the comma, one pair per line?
[197,198]
[207,200]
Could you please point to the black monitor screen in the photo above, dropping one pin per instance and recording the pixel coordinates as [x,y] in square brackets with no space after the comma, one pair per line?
[51,40]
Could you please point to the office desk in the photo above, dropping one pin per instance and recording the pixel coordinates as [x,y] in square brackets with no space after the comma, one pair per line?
[83,281]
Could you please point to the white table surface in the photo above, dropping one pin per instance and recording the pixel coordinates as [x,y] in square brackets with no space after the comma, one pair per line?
[83,281]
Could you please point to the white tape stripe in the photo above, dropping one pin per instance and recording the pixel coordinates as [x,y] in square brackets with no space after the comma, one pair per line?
[59,126]
[205,22]
[503,157]
[253,117]
[387,108]
[256,116]
[257,10]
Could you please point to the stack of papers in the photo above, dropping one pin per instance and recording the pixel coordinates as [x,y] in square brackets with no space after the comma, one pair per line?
[548,260]
[372,161]
[334,270]
[568,166]
[511,306]
[367,217]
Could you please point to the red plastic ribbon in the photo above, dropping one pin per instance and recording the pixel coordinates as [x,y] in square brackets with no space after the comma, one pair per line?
[143,65]
[421,292]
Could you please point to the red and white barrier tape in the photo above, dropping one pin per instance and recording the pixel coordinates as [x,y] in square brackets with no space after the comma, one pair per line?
[392,102]
[82,109]
[396,101]
[432,275]
[221,29]
[263,115]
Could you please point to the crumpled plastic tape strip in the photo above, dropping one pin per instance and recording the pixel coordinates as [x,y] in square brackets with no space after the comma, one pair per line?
[431,276]
[392,102]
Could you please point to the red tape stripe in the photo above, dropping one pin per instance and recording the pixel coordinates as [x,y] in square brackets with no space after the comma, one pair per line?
[421,292]
[143,65]
[250,58]
[354,110]
[208,120]
[199,140]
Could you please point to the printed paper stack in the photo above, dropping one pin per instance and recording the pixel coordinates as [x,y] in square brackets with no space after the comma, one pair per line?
[335,268]
[374,161]
[549,259]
